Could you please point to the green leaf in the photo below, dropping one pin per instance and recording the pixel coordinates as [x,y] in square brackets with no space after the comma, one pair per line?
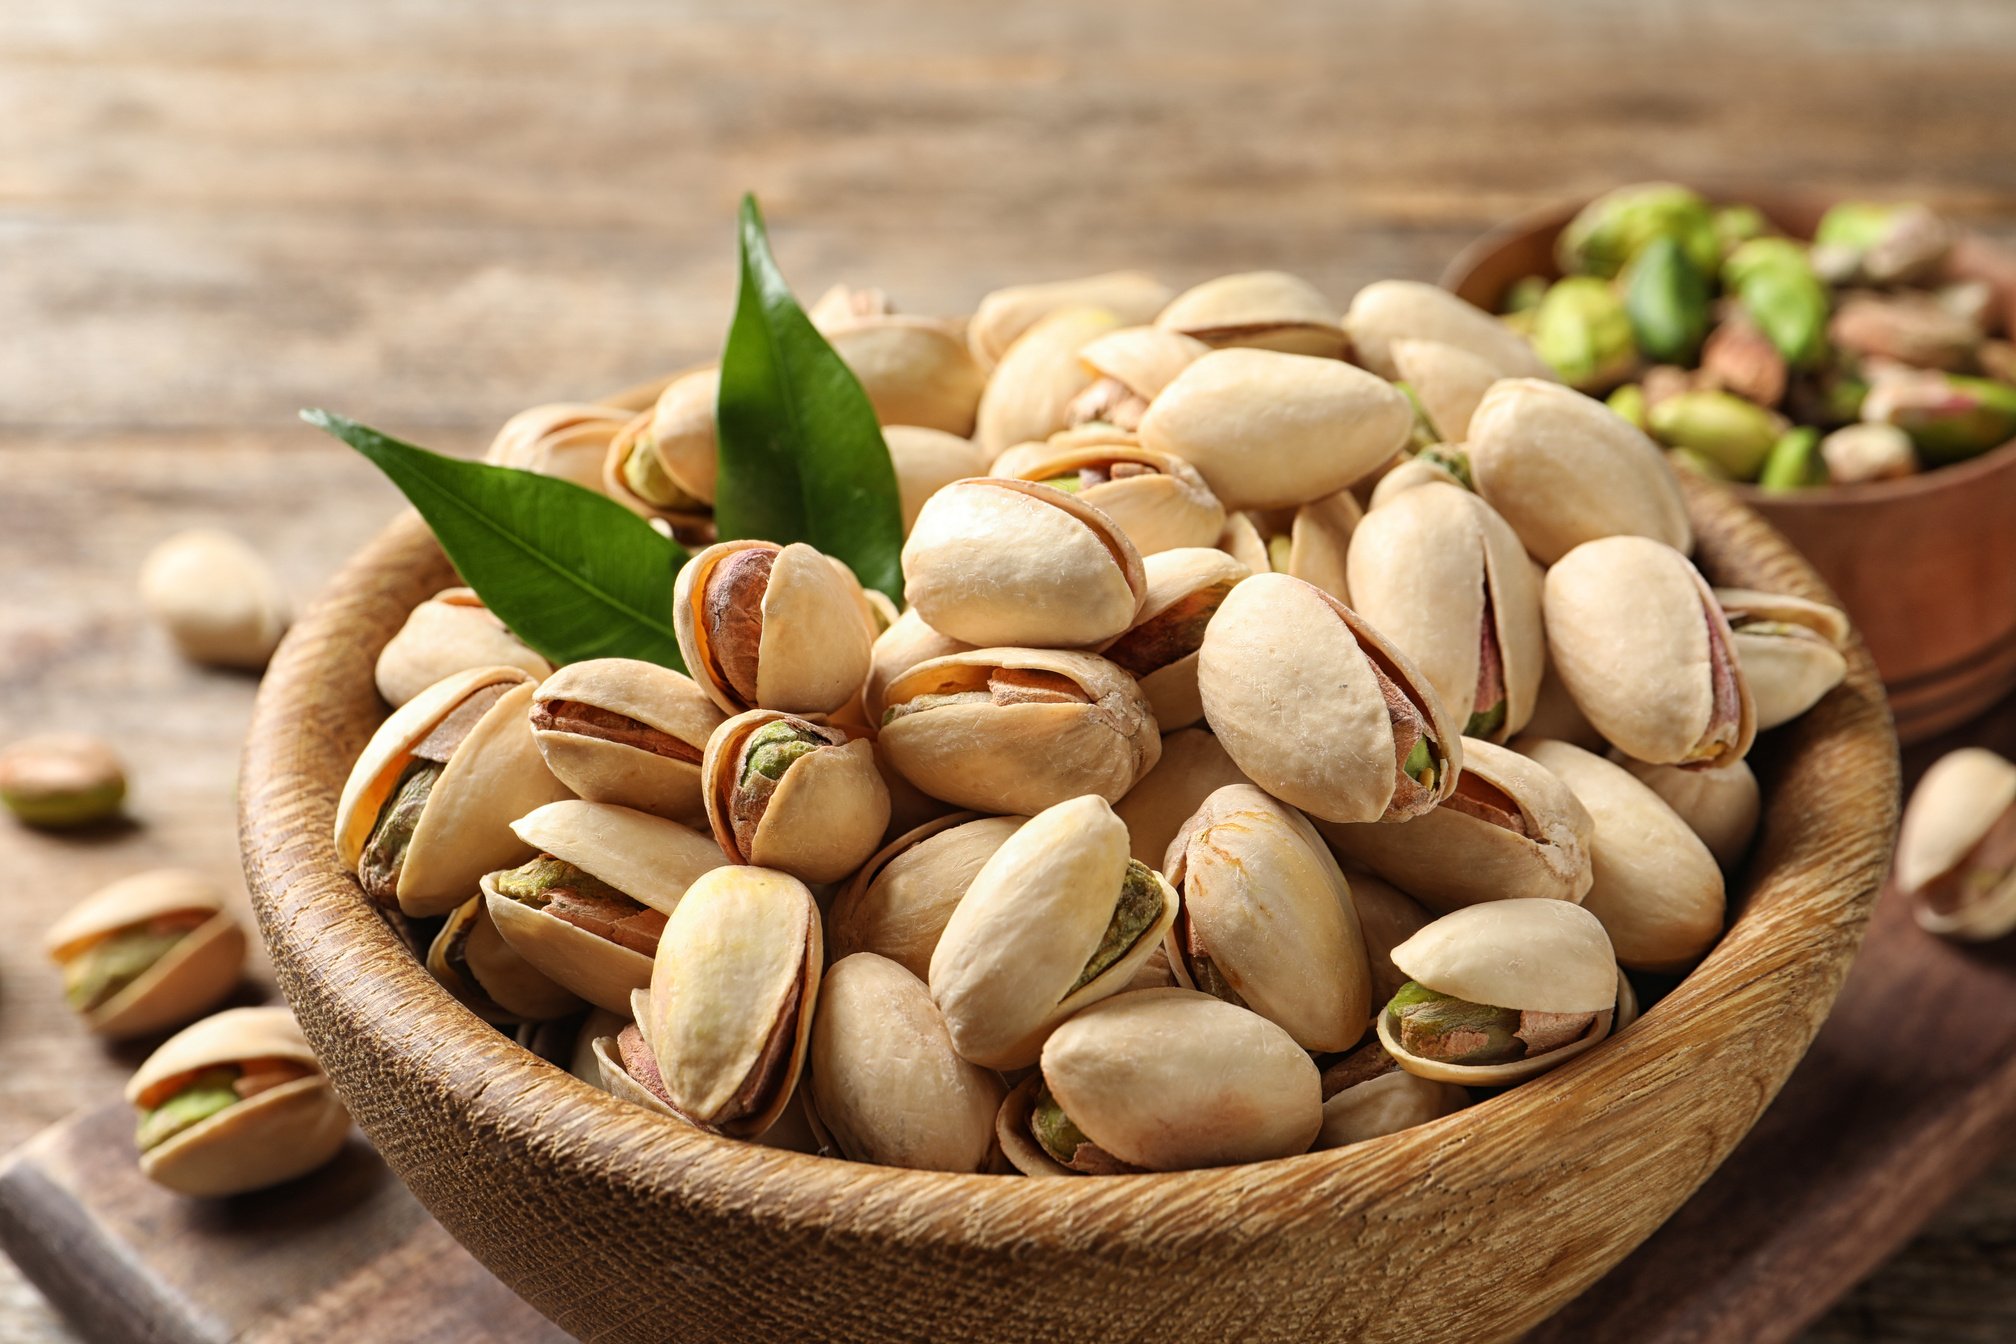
[572,573]
[801,455]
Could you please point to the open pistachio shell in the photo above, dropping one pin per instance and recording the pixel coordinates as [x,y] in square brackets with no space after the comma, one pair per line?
[1057,918]
[1657,889]
[1269,430]
[450,632]
[1141,360]
[564,439]
[621,1044]
[1309,542]
[1268,310]
[1030,393]
[915,370]
[1956,854]
[1004,315]
[1721,806]
[618,730]
[775,627]
[910,640]
[1409,474]
[900,901]
[190,975]
[681,433]
[1320,710]
[1013,731]
[1387,917]
[1448,381]
[1396,310]
[1192,767]
[926,461]
[487,975]
[634,476]
[802,797]
[1367,1095]
[1641,644]
[1012,1133]
[1790,649]
[1159,501]
[1159,650]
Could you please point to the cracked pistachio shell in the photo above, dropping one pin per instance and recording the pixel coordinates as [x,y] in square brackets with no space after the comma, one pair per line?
[1449,383]
[1004,969]
[675,509]
[1429,570]
[1004,315]
[216,597]
[492,980]
[926,461]
[1268,430]
[450,632]
[1165,506]
[1640,642]
[1395,310]
[1790,649]
[998,562]
[1030,392]
[1267,918]
[1170,1079]
[811,654]
[681,431]
[1656,887]
[1014,758]
[1012,1134]
[270,1137]
[885,1080]
[1720,806]
[1564,468]
[900,901]
[1463,852]
[1290,679]
[1144,360]
[1193,767]
[825,815]
[1160,649]
[566,439]
[192,976]
[908,641]
[733,993]
[1266,310]
[915,370]
[1410,474]
[493,775]
[654,770]
[1387,917]
[1309,542]
[1961,817]
[792,1129]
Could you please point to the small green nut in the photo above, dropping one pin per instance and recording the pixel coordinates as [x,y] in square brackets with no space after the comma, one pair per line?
[1736,435]
[61,780]
[1774,281]
[1583,331]
[1611,229]
[1628,401]
[1736,225]
[1451,1030]
[1423,434]
[1794,462]
[1857,225]
[645,474]
[1134,913]
[1881,242]
[1697,464]
[1525,294]
[1666,295]
[1950,417]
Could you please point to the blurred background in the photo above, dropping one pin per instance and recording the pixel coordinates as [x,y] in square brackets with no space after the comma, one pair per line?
[428,215]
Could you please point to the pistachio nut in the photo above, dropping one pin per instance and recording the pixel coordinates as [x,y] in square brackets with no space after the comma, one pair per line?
[926,461]
[450,632]
[1857,453]
[1790,648]
[1657,889]
[1171,1079]
[733,993]
[1016,1137]
[1159,501]
[843,304]
[1737,224]
[1448,382]
[1266,919]
[1774,282]
[1510,829]
[488,976]
[1192,767]
[1739,358]
[1387,917]
[1956,854]
[1882,242]
[1185,589]
[634,475]
[1501,991]
[1582,330]
[1367,1095]
[915,370]
[1309,542]
[1912,328]
[216,598]
[679,444]
[1612,229]
[1950,418]
[1429,467]
[1734,434]
[783,792]
[626,1068]
[1266,310]
[1057,918]
[1004,315]
[1795,461]
[60,780]
[1319,709]
[428,807]
[619,730]
[1666,298]
[1393,310]
[235,1103]
[581,1058]
[1000,562]
[897,905]
[1017,460]
[1133,365]
[775,627]
[1563,469]
[151,951]
[1721,806]
[569,440]
[886,1082]
[906,643]
[1641,643]
[1442,576]
[1030,393]
[1269,430]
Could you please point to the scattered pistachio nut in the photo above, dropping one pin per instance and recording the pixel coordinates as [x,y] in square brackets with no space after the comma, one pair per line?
[926,461]
[1395,310]
[1192,767]
[488,976]
[1039,376]
[1264,310]
[617,730]
[1004,315]
[569,440]
[787,793]
[908,641]
[1790,649]
[1956,853]
[1721,806]
[1367,1095]
[1309,542]
[60,780]
[1133,365]
[1387,917]
[771,627]
[1607,233]
[216,597]
[1448,383]
[1159,501]
[915,370]
[450,632]
[149,952]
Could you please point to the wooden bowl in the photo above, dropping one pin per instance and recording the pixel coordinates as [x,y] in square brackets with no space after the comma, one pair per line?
[1926,565]
[621,1225]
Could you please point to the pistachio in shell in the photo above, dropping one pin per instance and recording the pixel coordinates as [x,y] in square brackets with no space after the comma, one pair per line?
[1192,767]
[569,440]
[1031,391]
[1721,805]
[771,627]
[1265,310]
[915,370]
[897,906]
[149,952]
[926,461]
[675,452]
[1309,542]
[1159,501]
[1367,1095]
[908,641]
[1387,311]
[488,976]
[1956,854]
[217,599]
[626,1068]
[1387,917]
[1185,588]
[623,731]
[1790,649]
[61,780]
[1448,383]
[802,797]
[450,632]
[1133,365]
[1004,315]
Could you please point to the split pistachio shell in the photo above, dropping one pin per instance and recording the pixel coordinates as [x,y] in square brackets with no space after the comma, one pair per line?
[1442,576]
[450,632]
[906,643]
[621,1047]
[1657,889]
[569,440]
[1790,649]
[1013,731]
[149,952]
[1030,393]
[1013,1135]
[1004,315]
[1185,587]
[897,906]
[776,627]
[634,473]
[1641,643]
[1134,364]
[1193,766]
[789,794]
[1267,920]
[915,370]
[926,461]
[216,597]
[1320,710]
[1377,1097]
[1270,430]
[1410,474]
[487,975]
[1159,501]
[1449,383]
[623,731]
[1510,829]
[1395,310]
[271,1136]
[1956,855]
[885,1080]
[1170,1079]
[1564,469]
[1048,906]
[1721,806]
[999,562]
[682,433]
[1310,542]
[1387,917]
[1268,310]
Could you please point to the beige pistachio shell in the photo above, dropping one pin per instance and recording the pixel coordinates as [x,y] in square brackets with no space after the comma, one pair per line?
[1165,507]
[792,1130]
[1641,644]
[1409,474]
[825,816]
[1287,678]
[1387,917]
[1155,973]
[1720,806]
[577,961]
[215,597]
[1013,758]
[1395,310]
[1556,715]
[897,906]
[614,1079]
[1268,430]
[1564,468]
[1449,383]
[1004,315]
[915,370]
[1268,916]
[812,652]
[910,640]
[1386,1104]
[599,764]
[1962,808]
[1170,1079]
[501,986]
[1004,970]
[1030,392]
[1541,955]
[194,975]
[569,440]
[1428,570]
[1011,1132]
[649,859]
[1158,661]
[682,433]
[1657,889]
[1268,310]
[926,461]
[1144,360]
[1317,536]
[597,1024]
[1788,669]
[1193,766]
[450,632]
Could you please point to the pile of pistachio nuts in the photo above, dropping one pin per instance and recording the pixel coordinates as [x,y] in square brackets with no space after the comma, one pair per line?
[1300,720]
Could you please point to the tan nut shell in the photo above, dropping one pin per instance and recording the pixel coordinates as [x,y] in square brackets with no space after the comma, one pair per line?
[1170,1079]
[1030,392]
[1288,687]
[1172,576]
[900,901]
[217,598]
[1720,806]
[791,1130]
[1628,629]
[1387,1104]
[1011,1132]
[1449,383]
[906,643]
[1787,674]
[602,771]
[450,632]
[1556,715]
[682,431]
[1319,540]
[915,370]
[1193,766]
[1387,917]
[194,975]
[926,461]
[1419,569]
[1004,315]
[564,439]
[1409,474]
[1159,512]
[1016,760]
[649,859]
[1267,310]
[1144,360]
[813,654]
[1956,804]
[507,989]
[1003,970]
[825,817]
[1268,430]
[1387,311]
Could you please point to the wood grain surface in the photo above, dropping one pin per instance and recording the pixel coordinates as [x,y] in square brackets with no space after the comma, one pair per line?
[214,212]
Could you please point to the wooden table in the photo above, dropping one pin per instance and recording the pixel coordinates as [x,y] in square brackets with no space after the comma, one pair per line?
[215,212]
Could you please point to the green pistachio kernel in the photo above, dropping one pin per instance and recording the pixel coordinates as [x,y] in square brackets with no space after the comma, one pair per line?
[1420,763]
[1611,230]
[1452,460]
[773,747]
[1794,461]
[645,475]
[1629,402]
[1485,722]
[1054,1130]
[1070,482]
[537,883]
[1666,295]
[1524,295]
[385,852]
[1454,1031]
[211,1091]
[1280,549]
[1583,331]
[108,966]
[1774,281]
[1134,913]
